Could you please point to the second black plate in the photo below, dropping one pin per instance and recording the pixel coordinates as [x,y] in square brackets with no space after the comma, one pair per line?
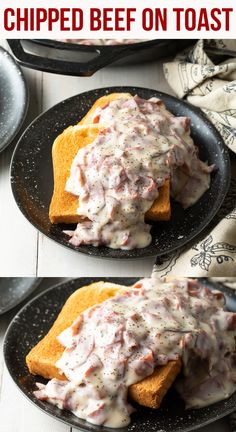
[14,98]
[32,174]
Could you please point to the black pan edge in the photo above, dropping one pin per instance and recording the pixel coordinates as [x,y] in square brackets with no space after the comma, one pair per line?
[90,58]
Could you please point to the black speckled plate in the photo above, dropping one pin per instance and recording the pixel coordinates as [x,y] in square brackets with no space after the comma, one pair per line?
[34,321]
[32,175]
[13,98]
[14,290]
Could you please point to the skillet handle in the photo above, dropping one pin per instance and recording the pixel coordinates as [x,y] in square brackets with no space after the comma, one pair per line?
[87,68]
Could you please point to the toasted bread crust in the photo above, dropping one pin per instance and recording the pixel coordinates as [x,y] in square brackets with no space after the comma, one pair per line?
[64,205]
[42,359]
[101,102]
[150,391]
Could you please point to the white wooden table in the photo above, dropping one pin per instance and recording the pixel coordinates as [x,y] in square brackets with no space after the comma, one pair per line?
[32,253]
[17,414]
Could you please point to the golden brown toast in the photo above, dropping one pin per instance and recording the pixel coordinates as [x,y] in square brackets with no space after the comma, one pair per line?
[101,102]
[42,358]
[150,391]
[63,207]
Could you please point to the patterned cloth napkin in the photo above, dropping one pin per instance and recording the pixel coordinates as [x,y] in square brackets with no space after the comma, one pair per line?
[211,86]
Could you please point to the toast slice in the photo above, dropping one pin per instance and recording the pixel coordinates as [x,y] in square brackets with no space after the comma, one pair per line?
[64,205]
[100,103]
[42,359]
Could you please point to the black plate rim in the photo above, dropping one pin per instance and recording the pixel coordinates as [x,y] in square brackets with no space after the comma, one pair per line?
[25,100]
[212,284]
[148,254]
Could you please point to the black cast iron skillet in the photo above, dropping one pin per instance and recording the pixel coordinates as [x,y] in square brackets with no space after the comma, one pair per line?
[34,321]
[82,60]
[32,176]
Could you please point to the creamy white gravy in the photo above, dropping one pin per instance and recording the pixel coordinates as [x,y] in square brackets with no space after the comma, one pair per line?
[119,342]
[117,177]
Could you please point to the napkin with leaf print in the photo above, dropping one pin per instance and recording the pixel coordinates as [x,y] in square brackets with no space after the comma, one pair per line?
[211,86]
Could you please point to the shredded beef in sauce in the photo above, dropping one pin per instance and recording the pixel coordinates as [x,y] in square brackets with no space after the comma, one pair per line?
[118,176]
